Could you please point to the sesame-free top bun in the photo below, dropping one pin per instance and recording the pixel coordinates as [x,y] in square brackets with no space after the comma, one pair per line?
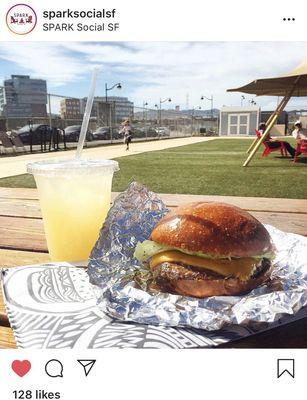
[218,229]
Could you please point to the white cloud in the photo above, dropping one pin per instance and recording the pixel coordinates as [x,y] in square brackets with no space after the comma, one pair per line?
[163,69]
[49,61]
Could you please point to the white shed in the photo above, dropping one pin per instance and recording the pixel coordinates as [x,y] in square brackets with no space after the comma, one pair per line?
[239,121]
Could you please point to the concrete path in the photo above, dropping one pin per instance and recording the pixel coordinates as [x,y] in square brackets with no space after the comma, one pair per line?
[16,165]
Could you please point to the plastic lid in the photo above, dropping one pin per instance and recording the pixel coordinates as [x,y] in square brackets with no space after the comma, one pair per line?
[72,166]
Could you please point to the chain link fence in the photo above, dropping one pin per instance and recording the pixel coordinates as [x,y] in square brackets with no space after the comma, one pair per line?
[173,123]
[55,122]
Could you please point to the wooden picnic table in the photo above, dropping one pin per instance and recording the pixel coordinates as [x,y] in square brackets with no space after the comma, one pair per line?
[22,242]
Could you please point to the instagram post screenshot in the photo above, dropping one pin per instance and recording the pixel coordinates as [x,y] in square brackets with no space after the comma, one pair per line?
[153,199]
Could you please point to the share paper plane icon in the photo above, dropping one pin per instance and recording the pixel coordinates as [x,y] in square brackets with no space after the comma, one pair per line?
[87,365]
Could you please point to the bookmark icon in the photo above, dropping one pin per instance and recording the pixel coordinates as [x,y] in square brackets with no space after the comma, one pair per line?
[87,365]
[285,366]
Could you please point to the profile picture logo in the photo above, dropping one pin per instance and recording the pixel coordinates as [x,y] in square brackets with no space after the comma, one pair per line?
[21,19]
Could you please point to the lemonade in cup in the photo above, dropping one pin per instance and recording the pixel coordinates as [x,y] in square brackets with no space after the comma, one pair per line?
[75,197]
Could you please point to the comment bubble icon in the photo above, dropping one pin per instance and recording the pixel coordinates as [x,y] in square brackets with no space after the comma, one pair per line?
[54,369]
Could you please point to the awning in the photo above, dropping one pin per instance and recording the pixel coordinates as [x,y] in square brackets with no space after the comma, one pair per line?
[279,86]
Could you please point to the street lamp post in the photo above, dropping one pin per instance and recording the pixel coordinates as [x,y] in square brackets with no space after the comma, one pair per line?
[192,122]
[118,86]
[145,118]
[144,110]
[157,107]
[160,108]
[30,124]
[211,100]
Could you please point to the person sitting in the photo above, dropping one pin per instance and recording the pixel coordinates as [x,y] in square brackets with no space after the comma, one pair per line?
[299,133]
[274,143]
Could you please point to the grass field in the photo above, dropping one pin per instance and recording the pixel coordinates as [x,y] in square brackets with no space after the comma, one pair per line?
[213,167]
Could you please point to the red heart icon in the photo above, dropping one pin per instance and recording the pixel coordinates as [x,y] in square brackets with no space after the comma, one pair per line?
[21,368]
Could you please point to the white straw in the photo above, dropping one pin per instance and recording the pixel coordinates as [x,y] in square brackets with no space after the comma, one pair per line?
[87,113]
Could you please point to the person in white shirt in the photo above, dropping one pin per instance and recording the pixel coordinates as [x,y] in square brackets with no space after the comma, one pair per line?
[299,133]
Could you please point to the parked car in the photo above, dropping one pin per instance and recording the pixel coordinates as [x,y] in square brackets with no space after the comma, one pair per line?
[102,133]
[162,131]
[40,133]
[151,132]
[138,132]
[72,133]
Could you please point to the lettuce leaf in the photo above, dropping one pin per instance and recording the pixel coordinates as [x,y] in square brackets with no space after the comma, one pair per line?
[147,249]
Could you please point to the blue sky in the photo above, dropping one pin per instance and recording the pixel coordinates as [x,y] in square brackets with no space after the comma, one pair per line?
[152,70]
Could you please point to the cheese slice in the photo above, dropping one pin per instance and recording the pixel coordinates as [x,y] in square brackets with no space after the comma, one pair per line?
[241,268]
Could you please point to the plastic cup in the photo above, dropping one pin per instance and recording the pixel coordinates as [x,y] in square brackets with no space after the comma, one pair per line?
[75,197]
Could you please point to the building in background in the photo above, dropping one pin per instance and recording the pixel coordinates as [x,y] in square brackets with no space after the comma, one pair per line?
[239,121]
[2,99]
[281,126]
[115,110]
[71,109]
[23,97]
[122,107]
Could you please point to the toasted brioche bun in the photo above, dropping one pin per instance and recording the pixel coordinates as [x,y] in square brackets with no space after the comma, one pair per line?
[218,229]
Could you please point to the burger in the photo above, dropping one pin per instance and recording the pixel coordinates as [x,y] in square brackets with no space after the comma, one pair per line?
[207,249]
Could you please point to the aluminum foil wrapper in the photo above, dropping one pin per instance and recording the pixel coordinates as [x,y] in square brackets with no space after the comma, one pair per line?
[122,282]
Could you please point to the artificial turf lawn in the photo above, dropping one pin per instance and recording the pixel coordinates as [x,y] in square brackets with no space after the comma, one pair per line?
[213,167]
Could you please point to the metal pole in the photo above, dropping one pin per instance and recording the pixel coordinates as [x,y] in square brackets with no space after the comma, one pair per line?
[192,122]
[49,110]
[106,99]
[98,114]
[31,135]
[146,126]
[50,124]
[111,132]
[260,141]
[280,108]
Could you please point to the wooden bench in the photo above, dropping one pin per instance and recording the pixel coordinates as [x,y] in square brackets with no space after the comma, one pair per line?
[22,242]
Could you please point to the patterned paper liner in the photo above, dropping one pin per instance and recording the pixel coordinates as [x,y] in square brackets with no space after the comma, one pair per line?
[53,306]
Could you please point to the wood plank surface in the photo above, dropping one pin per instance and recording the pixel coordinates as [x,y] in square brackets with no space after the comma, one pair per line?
[28,233]
[13,258]
[246,203]
[18,193]
[20,208]
[173,200]
[7,340]
[294,223]
[22,234]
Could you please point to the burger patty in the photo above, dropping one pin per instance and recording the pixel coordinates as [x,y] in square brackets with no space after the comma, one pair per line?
[168,274]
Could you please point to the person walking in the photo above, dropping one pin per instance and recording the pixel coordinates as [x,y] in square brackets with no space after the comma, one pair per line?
[127,132]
